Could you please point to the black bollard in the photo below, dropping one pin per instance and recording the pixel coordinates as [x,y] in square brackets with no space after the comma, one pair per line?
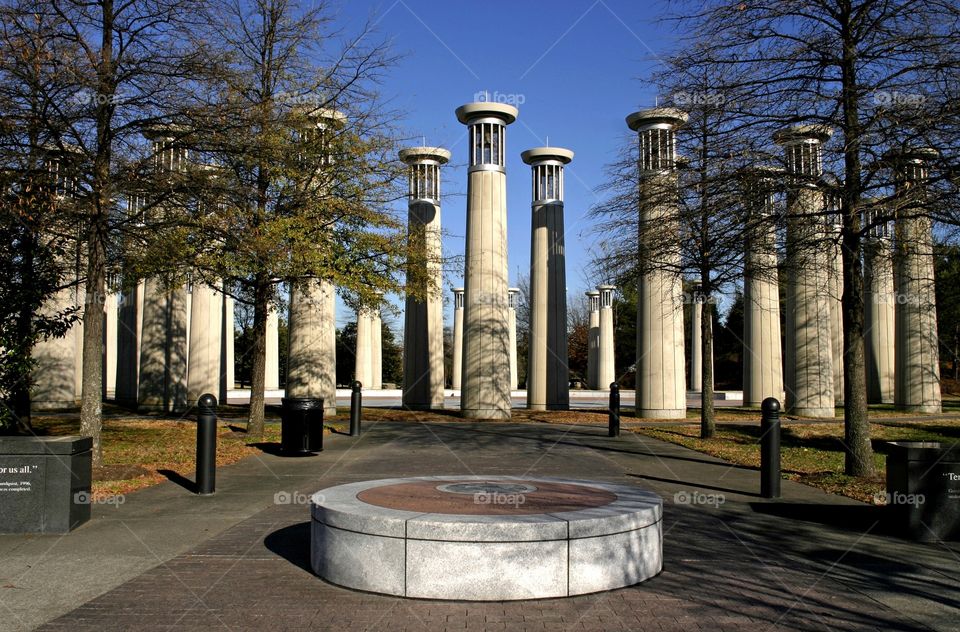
[356,400]
[614,421]
[206,444]
[770,448]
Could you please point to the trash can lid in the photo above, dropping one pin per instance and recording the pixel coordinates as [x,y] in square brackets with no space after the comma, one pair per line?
[301,403]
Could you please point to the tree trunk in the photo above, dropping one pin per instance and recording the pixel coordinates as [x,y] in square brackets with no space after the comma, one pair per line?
[859,453]
[91,408]
[708,421]
[258,367]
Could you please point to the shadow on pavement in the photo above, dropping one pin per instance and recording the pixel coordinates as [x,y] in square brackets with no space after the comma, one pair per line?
[858,518]
[292,544]
[179,479]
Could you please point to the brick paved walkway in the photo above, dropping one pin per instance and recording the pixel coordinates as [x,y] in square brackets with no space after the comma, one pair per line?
[809,562]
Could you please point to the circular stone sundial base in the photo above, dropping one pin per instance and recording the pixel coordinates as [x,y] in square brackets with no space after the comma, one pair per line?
[485,538]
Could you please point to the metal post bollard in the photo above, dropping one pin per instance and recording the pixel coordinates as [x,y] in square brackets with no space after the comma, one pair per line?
[613,423]
[770,448]
[206,444]
[355,403]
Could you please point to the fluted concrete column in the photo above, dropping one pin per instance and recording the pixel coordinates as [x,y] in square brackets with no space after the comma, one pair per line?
[312,355]
[165,330]
[54,372]
[486,337]
[880,306]
[835,270]
[548,372]
[512,325]
[272,373]
[58,362]
[110,323]
[129,325]
[376,349]
[593,338]
[227,355]
[163,350]
[661,374]
[762,357]
[917,373]
[457,355]
[606,362]
[696,344]
[809,361]
[363,371]
[311,322]
[77,332]
[206,351]
[423,317]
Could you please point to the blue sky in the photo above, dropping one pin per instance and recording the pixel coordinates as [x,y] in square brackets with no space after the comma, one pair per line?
[575,69]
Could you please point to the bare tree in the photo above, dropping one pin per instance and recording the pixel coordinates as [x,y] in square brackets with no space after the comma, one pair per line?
[127,64]
[703,239]
[880,73]
[37,218]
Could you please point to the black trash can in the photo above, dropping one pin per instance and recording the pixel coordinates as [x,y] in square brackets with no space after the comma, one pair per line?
[923,489]
[301,425]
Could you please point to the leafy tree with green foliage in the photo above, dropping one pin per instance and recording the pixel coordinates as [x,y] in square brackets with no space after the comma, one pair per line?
[292,165]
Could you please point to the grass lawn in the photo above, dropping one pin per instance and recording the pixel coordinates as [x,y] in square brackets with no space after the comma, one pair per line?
[142,451]
[137,451]
[810,453]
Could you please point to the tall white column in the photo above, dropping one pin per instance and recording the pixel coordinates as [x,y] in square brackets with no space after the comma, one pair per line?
[311,324]
[227,356]
[77,332]
[661,374]
[54,371]
[696,343]
[606,362]
[917,374]
[165,330]
[593,339]
[486,337]
[58,362]
[363,371]
[512,324]
[312,355]
[548,372]
[456,368]
[129,323]
[272,373]
[163,350]
[880,307]
[423,317]
[809,362]
[206,351]
[110,323]
[762,356]
[835,271]
[376,349]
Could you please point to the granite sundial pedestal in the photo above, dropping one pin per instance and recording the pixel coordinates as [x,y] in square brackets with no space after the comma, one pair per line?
[485,538]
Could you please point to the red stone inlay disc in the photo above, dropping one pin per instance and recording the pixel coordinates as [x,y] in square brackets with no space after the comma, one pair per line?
[501,498]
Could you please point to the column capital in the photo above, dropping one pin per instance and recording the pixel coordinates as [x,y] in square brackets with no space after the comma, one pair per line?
[419,155]
[470,113]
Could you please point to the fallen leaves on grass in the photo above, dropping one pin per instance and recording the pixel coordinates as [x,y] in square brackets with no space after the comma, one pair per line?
[811,453]
[137,451]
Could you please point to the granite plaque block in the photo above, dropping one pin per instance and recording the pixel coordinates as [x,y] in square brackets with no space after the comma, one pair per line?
[923,489]
[44,484]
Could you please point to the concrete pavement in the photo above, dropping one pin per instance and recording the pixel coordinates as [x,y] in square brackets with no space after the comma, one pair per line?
[166,559]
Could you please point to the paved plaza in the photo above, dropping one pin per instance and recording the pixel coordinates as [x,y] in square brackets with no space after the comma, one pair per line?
[167,559]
